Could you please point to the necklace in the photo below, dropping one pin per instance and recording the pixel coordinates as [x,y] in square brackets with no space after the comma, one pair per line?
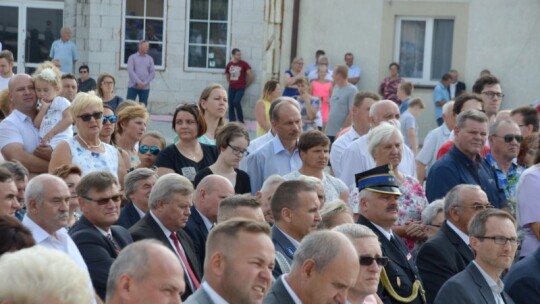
[87,145]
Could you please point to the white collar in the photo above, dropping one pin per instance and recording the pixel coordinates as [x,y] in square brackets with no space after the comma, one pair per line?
[290,238]
[206,221]
[496,287]
[139,211]
[460,233]
[387,234]
[214,296]
[39,233]
[291,292]
[163,228]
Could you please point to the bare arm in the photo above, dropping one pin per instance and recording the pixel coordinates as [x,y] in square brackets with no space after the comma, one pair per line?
[62,125]
[310,111]
[60,156]
[420,171]
[440,103]
[290,80]
[535,227]
[344,196]
[260,115]
[122,170]
[354,80]
[411,135]
[34,164]
[250,77]
[162,171]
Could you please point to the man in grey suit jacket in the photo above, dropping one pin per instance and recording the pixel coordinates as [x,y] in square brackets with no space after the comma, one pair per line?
[324,267]
[137,185]
[238,264]
[493,238]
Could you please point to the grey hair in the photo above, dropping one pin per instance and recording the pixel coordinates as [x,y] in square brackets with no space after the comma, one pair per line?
[364,194]
[36,187]
[381,134]
[131,179]
[374,107]
[453,197]
[17,169]
[498,123]
[448,107]
[134,260]
[355,231]
[322,58]
[472,115]
[321,246]
[271,181]
[331,209]
[167,186]
[431,211]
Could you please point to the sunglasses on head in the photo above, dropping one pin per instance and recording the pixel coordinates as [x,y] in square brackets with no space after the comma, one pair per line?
[87,117]
[111,118]
[368,260]
[154,150]
[508,138]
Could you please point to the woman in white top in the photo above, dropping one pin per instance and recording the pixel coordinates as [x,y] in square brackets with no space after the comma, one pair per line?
[213,105]
[85,149]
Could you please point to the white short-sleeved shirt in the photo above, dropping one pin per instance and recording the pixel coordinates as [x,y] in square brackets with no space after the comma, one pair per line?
[19,128]
[339,146]
[433,141]
[333,187]
[52,118]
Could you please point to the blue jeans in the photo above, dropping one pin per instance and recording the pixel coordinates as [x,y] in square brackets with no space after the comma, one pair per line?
[235,104]
[143,95]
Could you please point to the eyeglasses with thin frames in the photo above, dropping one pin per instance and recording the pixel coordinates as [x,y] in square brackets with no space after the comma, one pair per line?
[500,240]
[478,207]
[238,151]
[88,117]
[105,200]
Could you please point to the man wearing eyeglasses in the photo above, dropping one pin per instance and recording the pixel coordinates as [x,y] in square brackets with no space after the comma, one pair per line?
[504,139]
[448,252]
[494,240]
[489,89]
[95,234]
[379,209]
[463,163]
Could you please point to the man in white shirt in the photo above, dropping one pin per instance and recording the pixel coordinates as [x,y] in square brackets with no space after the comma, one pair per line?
[325,267]
[238,264]
[354,70]
[6,68]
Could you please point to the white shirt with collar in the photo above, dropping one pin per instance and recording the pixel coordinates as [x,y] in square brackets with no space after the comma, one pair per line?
[214,296]
[19,128]
[339,145]
[291,292]
[460,233]
[139,211]
[387,234]
[254,145]
[496,287]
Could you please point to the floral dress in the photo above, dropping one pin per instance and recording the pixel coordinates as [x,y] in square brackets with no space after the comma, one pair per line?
[411,204]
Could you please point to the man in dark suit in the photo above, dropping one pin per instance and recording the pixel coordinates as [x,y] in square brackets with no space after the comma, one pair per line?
[448,252]
[170,202]
[324,268]
[210,191]
[522,282]
[137,187]
[98,240]
[238,264]
[456,87]
[494,239]
[295,209]
[379,194]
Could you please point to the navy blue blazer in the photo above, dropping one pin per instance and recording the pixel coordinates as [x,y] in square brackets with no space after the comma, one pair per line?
[196,229]
[148,228]
[128,216]
[440,258]
[278,294]
[97,251]
[468,286]
[460,88]
[522,282]
[284,247]
[401,271]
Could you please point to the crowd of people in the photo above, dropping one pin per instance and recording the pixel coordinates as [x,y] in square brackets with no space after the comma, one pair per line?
[333,201]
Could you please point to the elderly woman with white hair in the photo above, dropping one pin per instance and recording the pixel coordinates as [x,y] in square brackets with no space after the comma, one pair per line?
[335,213]
[432,220]
[385,144]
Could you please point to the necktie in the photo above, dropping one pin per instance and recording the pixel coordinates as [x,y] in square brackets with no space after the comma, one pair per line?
[114,244]
[190,272]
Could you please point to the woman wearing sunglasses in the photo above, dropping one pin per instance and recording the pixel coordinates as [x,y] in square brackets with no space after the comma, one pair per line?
[232,141]
[150,145]
[85,149]
[130,128]
[188,156]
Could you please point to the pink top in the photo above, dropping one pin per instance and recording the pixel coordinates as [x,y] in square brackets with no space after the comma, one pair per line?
[321,90]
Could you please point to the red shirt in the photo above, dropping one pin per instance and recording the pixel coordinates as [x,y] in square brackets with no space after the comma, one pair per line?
[237,72]
[449,144]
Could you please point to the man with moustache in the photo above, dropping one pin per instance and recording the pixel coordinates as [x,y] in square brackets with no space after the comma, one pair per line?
[379,194]
[368,247]
[280,155]
[494,241]
[170,207]
[95,234]
[356,157]
[137,187]
[238,264]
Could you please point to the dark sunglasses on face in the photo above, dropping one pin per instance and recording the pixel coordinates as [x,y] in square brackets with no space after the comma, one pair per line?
[154,150]
[508,138]
[87,117]
[111,118]
[105,200]
[368,260]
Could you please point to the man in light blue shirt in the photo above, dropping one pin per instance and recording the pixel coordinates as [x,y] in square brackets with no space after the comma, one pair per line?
[64,51]
[441,95]
[354,70]
[280,155]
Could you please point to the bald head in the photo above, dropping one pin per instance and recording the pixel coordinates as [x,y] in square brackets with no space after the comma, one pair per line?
[384,110]
[22,94]
[209,193]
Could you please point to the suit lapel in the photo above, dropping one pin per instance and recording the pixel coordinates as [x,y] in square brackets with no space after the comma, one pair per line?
[464,250]
[157,231]
[187,245]
[286,247]
[477,277]
[132,212]
[199,221]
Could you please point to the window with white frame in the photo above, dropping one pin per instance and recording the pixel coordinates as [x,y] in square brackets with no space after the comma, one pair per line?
[208,25]
[423,48]
[144,20]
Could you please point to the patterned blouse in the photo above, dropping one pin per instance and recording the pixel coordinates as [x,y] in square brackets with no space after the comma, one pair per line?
[388,89]
[411,204]
[90,161]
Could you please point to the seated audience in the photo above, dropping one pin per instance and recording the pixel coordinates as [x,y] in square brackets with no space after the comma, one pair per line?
[13,235]
[8,194]
[213,105]
[240,205]
[265,195]
[71,175]
[130,128]
[138,185]
[335,213]
[150,145]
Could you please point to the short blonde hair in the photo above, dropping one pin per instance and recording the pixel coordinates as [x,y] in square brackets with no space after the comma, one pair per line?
[83,101]
[331,209]
[128,113]
[33,274]
[49,73]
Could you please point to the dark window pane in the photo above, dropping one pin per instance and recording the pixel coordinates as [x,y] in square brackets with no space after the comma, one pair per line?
[135,8]
[9,29]
[219,10]
[197,57]
[134,29]
[218,33]
[198,32]
[155,51]
[130,48]
[441,53]
[42,28]
[411,49]
[217,57]
[154,30]
[199,9]
[154,8]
